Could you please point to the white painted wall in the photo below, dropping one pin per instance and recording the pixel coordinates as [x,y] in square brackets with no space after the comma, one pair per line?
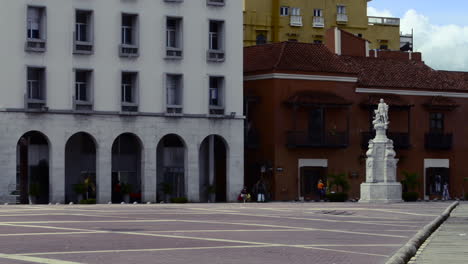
[107,65]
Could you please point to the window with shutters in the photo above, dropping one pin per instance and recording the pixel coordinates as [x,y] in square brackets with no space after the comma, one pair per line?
[36,29]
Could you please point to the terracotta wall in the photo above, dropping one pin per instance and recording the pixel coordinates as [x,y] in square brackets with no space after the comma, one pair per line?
[273,119]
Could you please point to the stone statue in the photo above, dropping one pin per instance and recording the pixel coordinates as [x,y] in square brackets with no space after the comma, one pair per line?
[381,115]
[381,185]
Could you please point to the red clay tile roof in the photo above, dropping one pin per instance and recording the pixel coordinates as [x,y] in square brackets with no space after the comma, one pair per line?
[293,56]
[371,72]
[392,73]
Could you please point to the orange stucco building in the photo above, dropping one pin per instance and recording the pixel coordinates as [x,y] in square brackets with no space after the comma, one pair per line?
[308,114]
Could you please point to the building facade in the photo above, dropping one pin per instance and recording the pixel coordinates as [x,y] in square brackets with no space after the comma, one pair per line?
[135,97]
[309,114]
[307,21]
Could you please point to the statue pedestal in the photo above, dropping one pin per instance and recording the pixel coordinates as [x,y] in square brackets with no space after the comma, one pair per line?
[381,192]
[381,185]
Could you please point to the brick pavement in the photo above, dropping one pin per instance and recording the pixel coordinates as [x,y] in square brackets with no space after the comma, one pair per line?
[210,233]
[449,244]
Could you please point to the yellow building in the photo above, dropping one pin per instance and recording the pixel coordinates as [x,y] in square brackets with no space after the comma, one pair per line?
[307,20]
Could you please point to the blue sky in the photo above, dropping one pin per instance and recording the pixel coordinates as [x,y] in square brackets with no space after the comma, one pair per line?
[439,12]
[440,28]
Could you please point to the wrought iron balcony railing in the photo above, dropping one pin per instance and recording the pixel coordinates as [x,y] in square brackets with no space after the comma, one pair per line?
[439,141]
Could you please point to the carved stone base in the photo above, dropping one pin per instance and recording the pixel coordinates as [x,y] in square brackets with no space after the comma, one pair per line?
[381,192]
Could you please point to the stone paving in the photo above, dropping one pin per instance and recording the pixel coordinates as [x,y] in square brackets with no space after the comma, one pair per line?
[449,244]
[270,233]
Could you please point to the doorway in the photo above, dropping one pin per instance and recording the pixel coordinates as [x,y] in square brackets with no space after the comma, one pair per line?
[308,181]
[435,180]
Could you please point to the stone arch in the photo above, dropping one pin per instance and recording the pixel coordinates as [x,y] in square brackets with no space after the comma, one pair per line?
[80,167]
[171,153]
[127,169]
[33,159]
[213,166]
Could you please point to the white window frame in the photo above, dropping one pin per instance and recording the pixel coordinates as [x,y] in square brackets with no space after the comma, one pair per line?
[174,51]
[221,81]
[133,86]
[179,93]
[318,12]
[295,11]
[341,9]
[34,44]
[88,83]
[284,11]
[130,49]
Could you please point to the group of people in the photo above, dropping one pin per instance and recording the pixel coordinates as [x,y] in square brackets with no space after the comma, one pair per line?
[259,190]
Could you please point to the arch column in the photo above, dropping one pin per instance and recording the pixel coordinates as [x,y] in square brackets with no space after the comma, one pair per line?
[104,172]
[57,170]
[192,173]
[235,168]
[8,167]
[148,179]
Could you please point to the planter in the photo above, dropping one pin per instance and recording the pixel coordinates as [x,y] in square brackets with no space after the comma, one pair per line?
[337,197]
[32,199]
[126,198]
[410,196]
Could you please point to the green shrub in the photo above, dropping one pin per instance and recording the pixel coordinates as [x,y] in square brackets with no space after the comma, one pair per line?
[88,201]
[410,196]
[466,196]
[79,188]
[34,189]
[179,200]
[126,188]
[337,197]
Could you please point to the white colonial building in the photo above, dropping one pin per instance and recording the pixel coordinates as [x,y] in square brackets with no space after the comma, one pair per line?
[113,97]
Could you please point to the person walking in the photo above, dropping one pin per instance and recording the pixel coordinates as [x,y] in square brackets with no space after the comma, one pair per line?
[260,186]
[321,189]
[445,193]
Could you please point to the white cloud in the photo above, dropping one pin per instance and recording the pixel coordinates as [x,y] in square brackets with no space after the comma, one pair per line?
[443,47]
[378,13]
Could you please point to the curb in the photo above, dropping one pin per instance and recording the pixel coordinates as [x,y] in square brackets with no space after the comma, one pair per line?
[405,253]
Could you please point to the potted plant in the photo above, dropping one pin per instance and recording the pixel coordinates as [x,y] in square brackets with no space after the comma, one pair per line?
[126,190]
[80,190]
[167,190]
[33,192]
[211,190]
[410,182]
[341,185]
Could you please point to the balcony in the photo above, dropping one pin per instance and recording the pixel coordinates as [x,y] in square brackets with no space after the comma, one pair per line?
[400,140]
[319,22]
[215,55]
[127,50]
[215,2]
[302,139]
[295,21]
[438,141]
[387,21]
[341,18]
[35,45]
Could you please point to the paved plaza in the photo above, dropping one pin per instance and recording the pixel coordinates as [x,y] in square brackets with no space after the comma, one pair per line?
[210,233]
[449,244]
